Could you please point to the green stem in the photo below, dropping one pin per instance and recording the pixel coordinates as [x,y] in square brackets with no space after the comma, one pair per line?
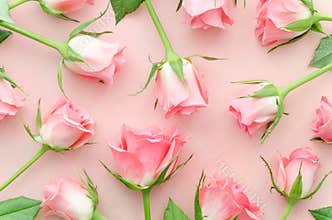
[14,4]
[320,17]
[40,153]
[59,46]
[97,216]
[146,202]
[163,36]
[287,89]
[288,209]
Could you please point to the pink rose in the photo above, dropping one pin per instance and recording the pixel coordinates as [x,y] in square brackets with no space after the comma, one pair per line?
[69,199]
[223,199]
[179,98]
[104,58]
[11,99]
[322,126]
[288,170]
[253,114]
[144,154]
[274,15]
[66,5]
[66,126]
[208,13]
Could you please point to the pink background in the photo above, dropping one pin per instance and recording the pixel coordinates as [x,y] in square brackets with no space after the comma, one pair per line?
[215,135]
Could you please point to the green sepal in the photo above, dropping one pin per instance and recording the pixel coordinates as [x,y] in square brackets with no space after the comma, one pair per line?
[4,35]
[4,12]
[78,30]
[321,140]
[123,7]
[179,5]
[55,13]
[209,58]
[174,212]
[317,27]
[235,218]
[322,213]
[323,53]
[197,206]
[5,77]
[309,5]
[301,25]
[293,40]
[267,91]
[59,77]
[258,81]
[297,187]
[34,137]
[20,208]
[177,67]
[95,34]
[91,188]
[39,121]
[319,185]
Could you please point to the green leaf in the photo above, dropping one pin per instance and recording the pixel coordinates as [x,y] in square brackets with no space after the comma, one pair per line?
[300,25]
[123,7]
[153,71]
[322,213]
[78,30]
[38,117]
[323,53]
[4,35]
[20,208]
[173,212]
[179,5]
[296,190]
[198,210]
[177,67]
[4,12]
[293,40]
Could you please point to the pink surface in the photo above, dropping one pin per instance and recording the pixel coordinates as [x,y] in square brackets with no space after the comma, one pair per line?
[215,135]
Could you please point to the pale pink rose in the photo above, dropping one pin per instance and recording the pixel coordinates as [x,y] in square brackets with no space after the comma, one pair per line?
[66,126]
[274,15]
[68,199]
[208,13]
[288,170]
[104,58]
[322,126]
[143,154]
[223,199]
[11,99]
[66,5]
[179,98]
[252,114]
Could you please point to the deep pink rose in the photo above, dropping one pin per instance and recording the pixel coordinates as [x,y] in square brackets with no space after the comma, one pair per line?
[11,99]
[143,154]
[322,126]
[179,98]
[288,170]
[66,5]
[66,126]
[253,114]
[104,58]
[67,198]
[208,13]
[223,199]
[274,15]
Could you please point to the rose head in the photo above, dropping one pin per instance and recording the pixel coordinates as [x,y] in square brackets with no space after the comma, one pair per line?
[176,97]
[274,15]
[103,59]
[66,126]
[208,13]
[67,198]
[66,6]
[221,198]
[143,154]
[322,126]
[11,99]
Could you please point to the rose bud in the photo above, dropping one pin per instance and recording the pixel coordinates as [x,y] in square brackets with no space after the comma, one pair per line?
[322,126]
[66,126]
[221,198]
[274,15]
[65,6]
[176,97]
[68,199]
[143,154]
[208,13]
[254,113]
[103,59]
[11,99]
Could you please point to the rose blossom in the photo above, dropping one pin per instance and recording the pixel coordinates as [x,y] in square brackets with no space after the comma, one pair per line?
[322,126]
[11,99]
[66,126]
[253,114]
[66,5]
[274,15]
[221,198]
[104,58]
[179,98]
[208,13]
[288,170]
[67,198]
[143,154]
